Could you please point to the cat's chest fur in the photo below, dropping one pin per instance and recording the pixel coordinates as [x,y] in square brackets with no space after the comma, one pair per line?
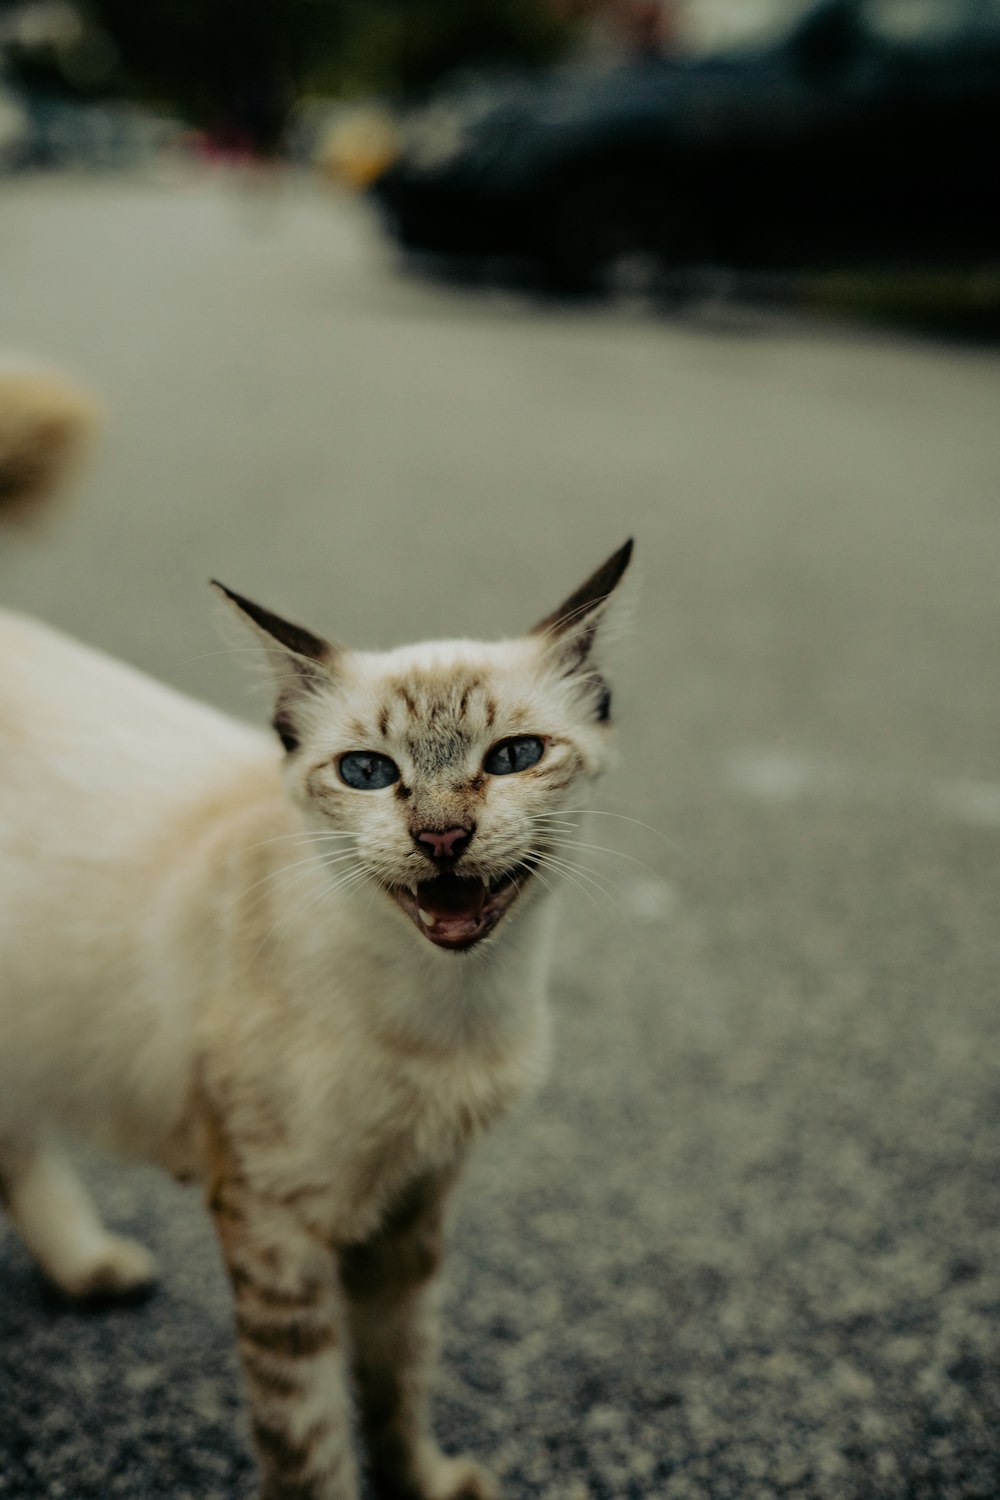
[343,1124]
[371,1088]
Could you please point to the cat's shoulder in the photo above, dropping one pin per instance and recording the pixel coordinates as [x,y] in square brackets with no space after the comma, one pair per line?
[48,677]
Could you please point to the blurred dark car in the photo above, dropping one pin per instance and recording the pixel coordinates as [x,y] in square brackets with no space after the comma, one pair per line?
[868,131]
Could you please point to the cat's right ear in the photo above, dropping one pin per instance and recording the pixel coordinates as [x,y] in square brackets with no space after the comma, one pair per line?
[572,629]
[301,664]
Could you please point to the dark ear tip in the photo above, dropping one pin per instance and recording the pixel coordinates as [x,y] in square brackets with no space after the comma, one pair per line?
[294,638]
[231,594]
[610,575]
[598,587]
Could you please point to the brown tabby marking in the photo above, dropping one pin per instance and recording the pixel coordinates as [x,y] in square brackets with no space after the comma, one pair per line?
[293,1462]
[308,1294]
[294,1339]
[474,685]
[273,1379]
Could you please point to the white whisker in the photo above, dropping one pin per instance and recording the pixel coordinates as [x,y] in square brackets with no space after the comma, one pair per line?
[524,864]
[599,812]
[303,835]
[316,860]
[577,872]
[561,867]
[326,890]
[604,849]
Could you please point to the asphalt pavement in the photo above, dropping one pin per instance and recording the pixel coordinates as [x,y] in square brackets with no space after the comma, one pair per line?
[745,1244]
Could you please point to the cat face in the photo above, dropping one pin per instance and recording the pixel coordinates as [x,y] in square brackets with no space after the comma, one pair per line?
[441,769]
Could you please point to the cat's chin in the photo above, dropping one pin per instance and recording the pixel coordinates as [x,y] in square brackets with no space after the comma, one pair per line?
[457,912]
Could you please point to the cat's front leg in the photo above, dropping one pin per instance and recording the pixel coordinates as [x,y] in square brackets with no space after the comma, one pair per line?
[291,1334]
[387,1281]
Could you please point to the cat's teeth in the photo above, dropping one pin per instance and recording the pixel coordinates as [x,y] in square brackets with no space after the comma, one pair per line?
[413,890]
[426,917]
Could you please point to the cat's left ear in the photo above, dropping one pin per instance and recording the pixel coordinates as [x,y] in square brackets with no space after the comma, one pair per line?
[573,628]
[301,663]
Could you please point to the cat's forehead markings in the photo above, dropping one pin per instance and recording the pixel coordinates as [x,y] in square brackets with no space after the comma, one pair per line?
[434,751]
[429,693]
[472,685]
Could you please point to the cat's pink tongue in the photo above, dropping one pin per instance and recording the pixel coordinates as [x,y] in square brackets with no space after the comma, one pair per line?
[450,907]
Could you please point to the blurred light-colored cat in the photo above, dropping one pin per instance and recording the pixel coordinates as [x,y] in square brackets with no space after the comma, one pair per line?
[45,423]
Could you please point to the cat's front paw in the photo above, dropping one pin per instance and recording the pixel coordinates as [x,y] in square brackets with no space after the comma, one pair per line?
[457,1478]
[123,1270]
[434,1476]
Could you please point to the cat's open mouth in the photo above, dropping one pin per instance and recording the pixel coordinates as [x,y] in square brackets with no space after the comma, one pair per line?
[456,911]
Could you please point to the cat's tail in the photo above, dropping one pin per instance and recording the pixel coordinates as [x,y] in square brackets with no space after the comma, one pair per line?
[46,422]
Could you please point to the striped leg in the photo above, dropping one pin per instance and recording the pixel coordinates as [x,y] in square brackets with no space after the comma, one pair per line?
[289,1323]
[392,1340]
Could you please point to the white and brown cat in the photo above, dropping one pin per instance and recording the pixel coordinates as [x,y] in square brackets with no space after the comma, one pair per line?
[307,982]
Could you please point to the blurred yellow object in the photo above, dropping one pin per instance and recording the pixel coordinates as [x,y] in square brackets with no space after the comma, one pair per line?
[359,147]
[45,423]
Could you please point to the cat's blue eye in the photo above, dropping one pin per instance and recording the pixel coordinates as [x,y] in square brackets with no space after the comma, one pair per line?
[367,771]
[517,754]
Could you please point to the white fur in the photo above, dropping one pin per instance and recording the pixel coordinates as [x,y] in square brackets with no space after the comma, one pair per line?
[96,763]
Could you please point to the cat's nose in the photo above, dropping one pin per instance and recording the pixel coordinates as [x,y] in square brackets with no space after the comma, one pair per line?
[444,843]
